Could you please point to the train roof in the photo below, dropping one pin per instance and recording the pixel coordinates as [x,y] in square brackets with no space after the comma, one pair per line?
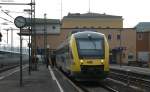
[86,34]
[82,34]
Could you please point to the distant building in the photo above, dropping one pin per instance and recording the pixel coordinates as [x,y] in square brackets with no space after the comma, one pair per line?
[143,27]
[143,41]
[92,20]
[52,27]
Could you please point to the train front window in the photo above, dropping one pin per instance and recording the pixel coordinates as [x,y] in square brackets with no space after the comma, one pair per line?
[91,48]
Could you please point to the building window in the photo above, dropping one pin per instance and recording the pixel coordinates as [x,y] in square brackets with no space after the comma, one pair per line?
[123,55]
[109,37]
[118,37]
[84,26]
[53,27]
[130,56]
[139,36]
[76,27]
[99,27]
[92,27]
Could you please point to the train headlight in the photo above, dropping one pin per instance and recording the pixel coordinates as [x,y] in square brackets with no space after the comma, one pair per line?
[102,61]
[81,61]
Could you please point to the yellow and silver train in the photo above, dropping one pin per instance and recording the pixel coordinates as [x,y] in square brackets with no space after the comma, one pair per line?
[84,56]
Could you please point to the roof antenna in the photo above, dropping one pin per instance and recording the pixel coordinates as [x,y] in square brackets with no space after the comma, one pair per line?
[61,9]
[89,6]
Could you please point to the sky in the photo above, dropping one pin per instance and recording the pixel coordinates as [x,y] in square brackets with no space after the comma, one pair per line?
[132,11]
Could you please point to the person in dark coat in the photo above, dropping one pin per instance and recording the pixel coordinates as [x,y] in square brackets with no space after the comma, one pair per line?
[47,62]
[53,60]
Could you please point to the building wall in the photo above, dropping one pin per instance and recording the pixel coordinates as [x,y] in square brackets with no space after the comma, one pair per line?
[52,40]
[51,28]
[149,42]
[92,22]
[127,42]
[142,41]
[143,46]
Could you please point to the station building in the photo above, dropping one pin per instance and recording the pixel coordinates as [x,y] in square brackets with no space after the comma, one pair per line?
[91,20]
[122,41]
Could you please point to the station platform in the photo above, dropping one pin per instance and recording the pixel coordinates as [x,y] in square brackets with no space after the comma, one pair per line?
[138,70]
[39,81]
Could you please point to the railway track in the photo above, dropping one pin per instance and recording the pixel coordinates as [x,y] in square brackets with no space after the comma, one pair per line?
[132,80]
[122,81]
[96,87]
[8,67]
[88,86]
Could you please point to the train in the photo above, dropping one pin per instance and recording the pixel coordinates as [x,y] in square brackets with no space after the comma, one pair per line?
[84,56]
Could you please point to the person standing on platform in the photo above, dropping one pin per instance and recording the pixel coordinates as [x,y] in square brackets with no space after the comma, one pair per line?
[53,60]
[47,62]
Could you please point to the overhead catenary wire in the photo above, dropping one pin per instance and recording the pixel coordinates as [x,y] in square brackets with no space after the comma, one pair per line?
[7,14]
[6,19]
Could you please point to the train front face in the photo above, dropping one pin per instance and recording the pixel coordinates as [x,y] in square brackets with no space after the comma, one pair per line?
[90,55]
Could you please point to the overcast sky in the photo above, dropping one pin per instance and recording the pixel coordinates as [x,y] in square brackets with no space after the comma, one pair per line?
[132,11]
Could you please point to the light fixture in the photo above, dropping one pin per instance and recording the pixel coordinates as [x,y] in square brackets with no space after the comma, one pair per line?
[81,61]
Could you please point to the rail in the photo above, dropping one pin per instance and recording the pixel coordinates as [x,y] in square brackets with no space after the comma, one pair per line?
[131,79]
[95,87]
[5,68]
